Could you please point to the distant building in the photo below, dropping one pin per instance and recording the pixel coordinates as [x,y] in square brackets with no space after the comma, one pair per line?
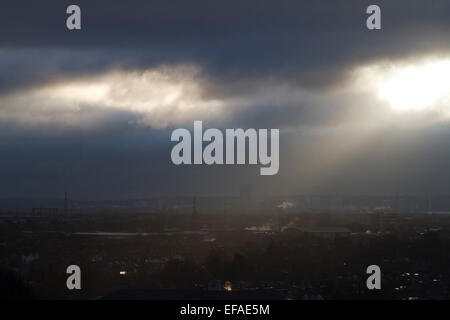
[215,285]
[325,232]
[44,211]
[194,295]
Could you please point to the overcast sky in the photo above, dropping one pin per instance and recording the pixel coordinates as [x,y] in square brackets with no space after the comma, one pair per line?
[91,111]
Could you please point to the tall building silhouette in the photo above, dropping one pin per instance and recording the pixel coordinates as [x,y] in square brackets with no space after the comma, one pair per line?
[66,204]
[194,207]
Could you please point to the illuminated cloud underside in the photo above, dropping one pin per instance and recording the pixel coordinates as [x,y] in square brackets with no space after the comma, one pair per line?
[161,97]
[177,95]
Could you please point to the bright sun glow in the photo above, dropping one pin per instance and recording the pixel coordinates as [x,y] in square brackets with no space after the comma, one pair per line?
[413,86]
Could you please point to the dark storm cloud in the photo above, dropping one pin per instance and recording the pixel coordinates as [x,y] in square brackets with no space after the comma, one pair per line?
[236,43]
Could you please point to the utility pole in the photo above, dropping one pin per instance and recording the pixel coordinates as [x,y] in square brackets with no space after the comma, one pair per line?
[66,204]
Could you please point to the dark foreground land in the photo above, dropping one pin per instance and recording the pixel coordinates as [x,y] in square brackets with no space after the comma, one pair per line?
[287,256]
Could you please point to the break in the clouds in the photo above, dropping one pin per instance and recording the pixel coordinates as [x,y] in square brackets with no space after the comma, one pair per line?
[138,69]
